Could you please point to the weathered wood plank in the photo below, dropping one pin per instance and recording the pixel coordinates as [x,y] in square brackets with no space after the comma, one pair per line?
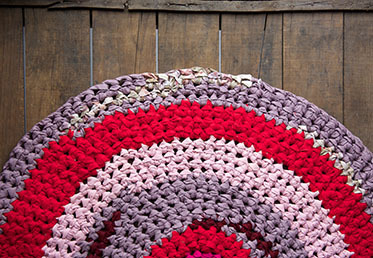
[241,42]
[271,63]
[250,6]
[248,38]
[202,5]
[123,43]
[187,40]
[92,4]
[313,59]
[36,3]
[11,81]
[358,75]
[57,59]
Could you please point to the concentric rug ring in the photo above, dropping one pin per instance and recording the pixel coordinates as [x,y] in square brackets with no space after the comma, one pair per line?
[191,163]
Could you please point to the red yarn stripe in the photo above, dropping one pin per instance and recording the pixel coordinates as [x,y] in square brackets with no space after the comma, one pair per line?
[67,163]
[199,239]
[246,228]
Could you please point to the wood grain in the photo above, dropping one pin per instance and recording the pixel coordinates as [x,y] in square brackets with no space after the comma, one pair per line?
[92,4]
[187,40]
[22,3]
[247,38]
[11,81]
[201,5]
[313,59]
[57,59]
[250,6]
[358,75]
[123,43]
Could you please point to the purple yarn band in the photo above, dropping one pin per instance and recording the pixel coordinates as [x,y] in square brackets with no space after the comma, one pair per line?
[147,205]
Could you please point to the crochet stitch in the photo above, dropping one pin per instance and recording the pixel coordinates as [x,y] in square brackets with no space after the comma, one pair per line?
[190,163]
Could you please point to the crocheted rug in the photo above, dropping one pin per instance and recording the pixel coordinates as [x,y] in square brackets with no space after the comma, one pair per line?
[190,163]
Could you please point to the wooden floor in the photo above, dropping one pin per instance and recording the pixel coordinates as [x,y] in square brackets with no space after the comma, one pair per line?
[48,56]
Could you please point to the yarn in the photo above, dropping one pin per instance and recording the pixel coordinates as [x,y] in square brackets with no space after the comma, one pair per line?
[191,163]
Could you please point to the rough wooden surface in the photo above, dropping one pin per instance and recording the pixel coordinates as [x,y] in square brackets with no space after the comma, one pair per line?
[92,4]
[57,59]
[313,59]
[187,40]
[309,52]
[40,3]
[11,81]
[202,5]
[253,44]
[123,43]
[358,75]
[250,6]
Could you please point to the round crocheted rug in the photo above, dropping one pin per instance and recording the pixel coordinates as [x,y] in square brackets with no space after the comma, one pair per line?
[190,163]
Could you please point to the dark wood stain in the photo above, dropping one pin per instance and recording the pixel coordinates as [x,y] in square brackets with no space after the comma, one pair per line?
[358,76]
[313,59]
[187,40]
[11,81]
[248,38]
[57,59]
[123,43]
